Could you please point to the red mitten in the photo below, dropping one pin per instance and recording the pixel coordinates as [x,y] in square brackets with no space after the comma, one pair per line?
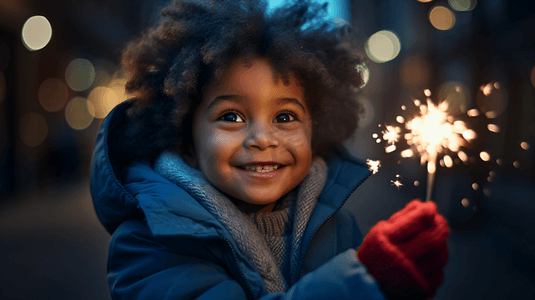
[407,253]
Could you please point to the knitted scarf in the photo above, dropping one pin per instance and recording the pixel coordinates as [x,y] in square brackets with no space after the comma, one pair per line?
[249,240]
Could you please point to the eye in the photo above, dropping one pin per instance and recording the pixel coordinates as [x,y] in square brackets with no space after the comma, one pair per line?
[285,117]
[231,116]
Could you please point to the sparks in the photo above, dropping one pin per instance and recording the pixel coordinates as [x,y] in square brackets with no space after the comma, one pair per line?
[391,134]
[373,165]
[396,183]
[433,132]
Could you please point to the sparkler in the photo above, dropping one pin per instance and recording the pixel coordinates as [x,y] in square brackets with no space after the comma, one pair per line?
[430,134]
[434,131]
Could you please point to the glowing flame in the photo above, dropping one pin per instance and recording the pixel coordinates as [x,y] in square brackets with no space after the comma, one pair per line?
[373,165]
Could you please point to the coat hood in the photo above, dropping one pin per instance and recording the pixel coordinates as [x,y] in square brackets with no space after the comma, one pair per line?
[122,192]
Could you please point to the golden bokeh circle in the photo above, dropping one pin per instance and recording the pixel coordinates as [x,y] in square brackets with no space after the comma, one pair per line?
[53,94]
[33,129]
[77,114]
[441,17]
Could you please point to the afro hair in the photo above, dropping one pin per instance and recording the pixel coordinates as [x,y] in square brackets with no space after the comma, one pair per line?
[193,42]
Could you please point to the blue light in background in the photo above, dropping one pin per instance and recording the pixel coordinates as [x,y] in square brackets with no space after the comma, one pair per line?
[335,9]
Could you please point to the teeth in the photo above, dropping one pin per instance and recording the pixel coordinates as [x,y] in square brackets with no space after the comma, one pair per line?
[262,169]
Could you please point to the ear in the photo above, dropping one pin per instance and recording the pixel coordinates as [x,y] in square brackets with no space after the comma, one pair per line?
[190,158]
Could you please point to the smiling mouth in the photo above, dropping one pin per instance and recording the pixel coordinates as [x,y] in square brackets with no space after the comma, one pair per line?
[262,168]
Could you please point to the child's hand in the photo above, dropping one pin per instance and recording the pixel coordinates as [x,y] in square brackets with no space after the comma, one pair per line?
[407,253]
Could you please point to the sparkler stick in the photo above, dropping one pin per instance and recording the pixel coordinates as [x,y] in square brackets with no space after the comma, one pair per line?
[431,169]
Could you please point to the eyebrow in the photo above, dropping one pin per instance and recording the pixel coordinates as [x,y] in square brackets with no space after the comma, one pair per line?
[237,98]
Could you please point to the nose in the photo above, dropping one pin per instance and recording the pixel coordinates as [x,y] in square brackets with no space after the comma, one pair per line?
[260,136]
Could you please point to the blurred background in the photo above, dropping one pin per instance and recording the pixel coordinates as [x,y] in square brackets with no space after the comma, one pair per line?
[60,75]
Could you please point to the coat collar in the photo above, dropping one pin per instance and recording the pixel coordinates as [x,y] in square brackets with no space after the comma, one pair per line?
[117,196]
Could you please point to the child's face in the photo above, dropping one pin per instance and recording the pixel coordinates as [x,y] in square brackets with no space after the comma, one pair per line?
[250,119]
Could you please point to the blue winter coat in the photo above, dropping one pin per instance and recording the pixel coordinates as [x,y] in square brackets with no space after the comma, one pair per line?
[165,245]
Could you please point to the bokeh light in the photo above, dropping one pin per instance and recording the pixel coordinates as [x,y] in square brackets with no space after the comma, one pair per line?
[53,94]
[524,145]
[442,18]
[473,112]
[407,153]
[448,161]
[463,156]
[33,129]
[80,74]
[469,134]
[465,202]
[2,87]
[425,0]
[103,99]
[36,33]
[533,76]
[456,96]
[102,77]
[463,5]
[79,113]
[485,156]
[117,85]
[493,128]
[382,46]
[492,101]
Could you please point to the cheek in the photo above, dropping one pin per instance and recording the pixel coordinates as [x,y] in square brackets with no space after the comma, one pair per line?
[216,148]
[298,141]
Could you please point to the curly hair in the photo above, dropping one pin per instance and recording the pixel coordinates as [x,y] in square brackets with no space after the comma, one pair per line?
[193,43]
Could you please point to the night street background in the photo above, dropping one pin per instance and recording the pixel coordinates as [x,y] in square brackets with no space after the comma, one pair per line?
[478,55]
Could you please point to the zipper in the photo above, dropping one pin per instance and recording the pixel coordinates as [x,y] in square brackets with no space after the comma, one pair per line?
[325,221]
[242,276]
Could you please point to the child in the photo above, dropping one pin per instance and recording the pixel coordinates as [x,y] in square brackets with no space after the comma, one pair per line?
[224,178]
